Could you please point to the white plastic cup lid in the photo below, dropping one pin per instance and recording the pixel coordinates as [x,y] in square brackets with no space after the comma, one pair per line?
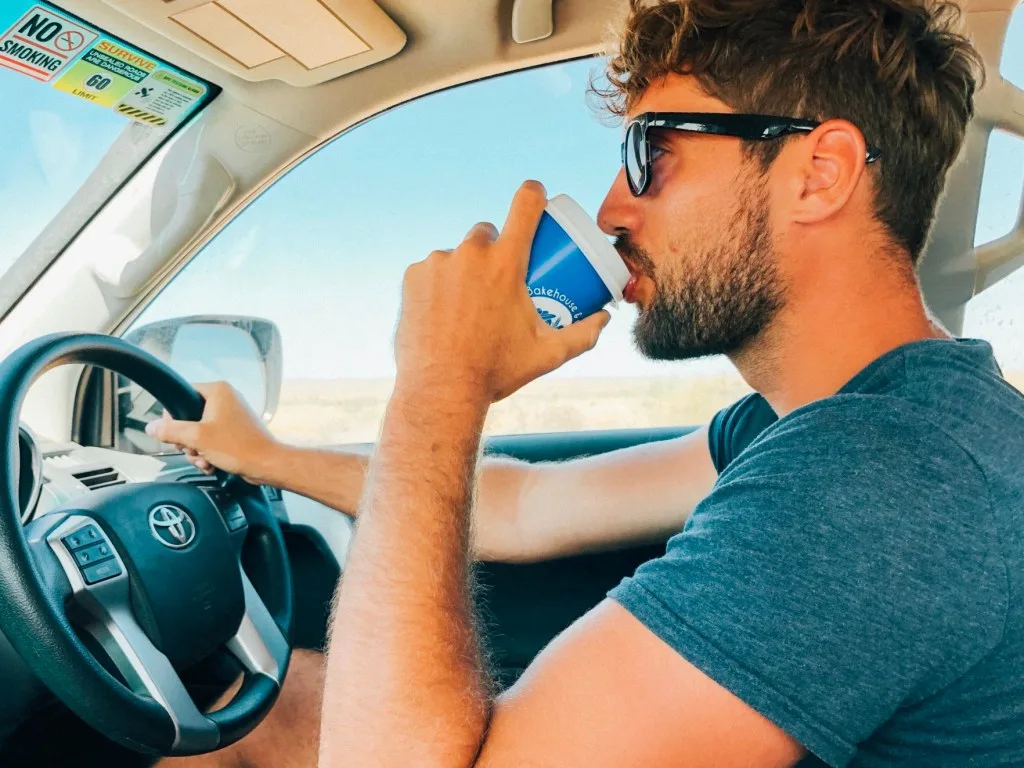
[592,242]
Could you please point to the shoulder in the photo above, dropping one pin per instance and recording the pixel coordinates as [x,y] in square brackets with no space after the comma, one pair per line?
[733,429]
[861,491]
[863,439]
[871,478]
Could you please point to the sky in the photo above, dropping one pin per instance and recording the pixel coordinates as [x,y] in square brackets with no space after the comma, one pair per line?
[322,252]
[49,143]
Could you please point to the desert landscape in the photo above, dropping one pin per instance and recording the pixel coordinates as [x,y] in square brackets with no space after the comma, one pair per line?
[337,412]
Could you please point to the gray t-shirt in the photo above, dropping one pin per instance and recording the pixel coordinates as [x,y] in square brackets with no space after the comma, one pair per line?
[855,575]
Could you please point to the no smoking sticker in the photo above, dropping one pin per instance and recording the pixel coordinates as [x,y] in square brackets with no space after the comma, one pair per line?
[42,43]
[69,41]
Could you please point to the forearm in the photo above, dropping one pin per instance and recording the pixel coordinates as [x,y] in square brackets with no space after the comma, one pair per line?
[405,680]
[333,478]
[633,496]
[529,512]
[337,479]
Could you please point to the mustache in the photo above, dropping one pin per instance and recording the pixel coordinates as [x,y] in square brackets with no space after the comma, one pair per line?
[634,255]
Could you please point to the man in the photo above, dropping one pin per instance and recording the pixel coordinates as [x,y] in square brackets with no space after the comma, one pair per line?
[846,593]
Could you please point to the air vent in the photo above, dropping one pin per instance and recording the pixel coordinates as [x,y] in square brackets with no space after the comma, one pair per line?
[103,477]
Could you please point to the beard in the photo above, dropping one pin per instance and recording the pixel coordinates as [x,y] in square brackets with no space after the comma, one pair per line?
[719,301]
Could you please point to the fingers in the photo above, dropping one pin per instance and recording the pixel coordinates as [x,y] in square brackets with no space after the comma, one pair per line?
[196,460]
[523,219]
[168,430]
[582,336]
[483,231]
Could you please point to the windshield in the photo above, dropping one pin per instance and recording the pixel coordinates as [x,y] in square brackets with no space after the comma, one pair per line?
[81,111]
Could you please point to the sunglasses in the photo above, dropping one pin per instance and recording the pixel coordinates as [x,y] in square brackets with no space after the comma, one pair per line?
[636,149]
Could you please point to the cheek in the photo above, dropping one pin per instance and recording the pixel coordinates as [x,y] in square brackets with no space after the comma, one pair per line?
[692,229]
[691,213]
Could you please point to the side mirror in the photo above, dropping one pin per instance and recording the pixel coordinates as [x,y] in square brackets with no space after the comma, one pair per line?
[246,352]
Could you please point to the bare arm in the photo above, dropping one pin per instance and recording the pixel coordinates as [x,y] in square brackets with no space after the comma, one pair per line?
[632,496]
[524,513]
[529,512]
[403,649]
[608,692]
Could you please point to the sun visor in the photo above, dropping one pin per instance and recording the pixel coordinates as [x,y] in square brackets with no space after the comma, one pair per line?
[302,42]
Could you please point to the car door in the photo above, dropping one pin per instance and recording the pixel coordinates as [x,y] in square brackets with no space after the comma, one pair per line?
[321,256]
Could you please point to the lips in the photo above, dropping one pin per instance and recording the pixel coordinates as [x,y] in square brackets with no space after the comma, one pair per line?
[636,269]
[629,292]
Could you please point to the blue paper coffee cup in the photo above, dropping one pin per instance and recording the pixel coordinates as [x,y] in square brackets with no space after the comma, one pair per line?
[574,269]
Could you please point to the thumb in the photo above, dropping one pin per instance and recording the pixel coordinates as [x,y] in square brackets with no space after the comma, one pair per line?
[168,430]
[582,336]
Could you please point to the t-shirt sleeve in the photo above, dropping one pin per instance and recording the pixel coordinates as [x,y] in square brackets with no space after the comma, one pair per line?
[736,427]
[842,568]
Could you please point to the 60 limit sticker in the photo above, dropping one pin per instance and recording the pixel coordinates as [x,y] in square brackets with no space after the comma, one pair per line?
[105,74]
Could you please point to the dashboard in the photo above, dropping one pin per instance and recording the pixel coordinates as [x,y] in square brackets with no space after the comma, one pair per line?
[53,473]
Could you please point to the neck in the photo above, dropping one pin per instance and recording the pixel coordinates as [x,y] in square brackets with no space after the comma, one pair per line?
[827,335]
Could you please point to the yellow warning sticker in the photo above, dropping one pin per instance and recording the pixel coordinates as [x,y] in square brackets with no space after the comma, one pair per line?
[140,114]
[163,94]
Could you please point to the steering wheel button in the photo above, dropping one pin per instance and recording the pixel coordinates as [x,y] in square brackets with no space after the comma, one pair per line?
[83,537]
[234,518]
[108,569]
[93,554]
[237,523]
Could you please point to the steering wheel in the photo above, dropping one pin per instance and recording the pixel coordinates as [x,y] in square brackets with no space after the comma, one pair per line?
[151,572]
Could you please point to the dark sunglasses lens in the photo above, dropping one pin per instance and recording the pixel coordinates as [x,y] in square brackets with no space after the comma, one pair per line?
[634,158]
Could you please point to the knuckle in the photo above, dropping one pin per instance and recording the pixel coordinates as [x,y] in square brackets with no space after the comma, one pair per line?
[484,229]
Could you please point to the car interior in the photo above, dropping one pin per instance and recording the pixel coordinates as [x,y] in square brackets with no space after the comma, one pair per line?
[124,676]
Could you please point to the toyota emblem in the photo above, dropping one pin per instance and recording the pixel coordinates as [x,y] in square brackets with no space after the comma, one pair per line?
[172,526]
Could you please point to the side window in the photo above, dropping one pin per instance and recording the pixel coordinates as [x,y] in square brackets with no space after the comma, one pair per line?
[997,316]
[322,253]
[997,313]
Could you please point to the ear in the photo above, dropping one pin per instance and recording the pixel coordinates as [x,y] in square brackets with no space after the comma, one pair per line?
[830,167]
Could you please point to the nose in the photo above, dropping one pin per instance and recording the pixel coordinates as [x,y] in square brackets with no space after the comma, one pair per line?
[620,212]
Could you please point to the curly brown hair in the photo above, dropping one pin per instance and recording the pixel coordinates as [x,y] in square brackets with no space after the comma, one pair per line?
[900,70]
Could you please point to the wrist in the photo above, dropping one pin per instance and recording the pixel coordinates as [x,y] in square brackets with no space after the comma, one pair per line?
[447,395]
[270,463]
[453,417]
